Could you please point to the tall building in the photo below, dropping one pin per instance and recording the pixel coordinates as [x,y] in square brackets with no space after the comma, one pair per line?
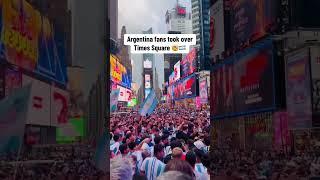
[201,27]
[113,16]
[170,60]
[148,69]
[123,53]
[177,19]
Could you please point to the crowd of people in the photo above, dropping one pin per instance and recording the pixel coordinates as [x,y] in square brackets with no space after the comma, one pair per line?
[174,143]
[170,139]
[72,161]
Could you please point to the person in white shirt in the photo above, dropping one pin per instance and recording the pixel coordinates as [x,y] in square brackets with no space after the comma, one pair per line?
[152,167]
[114,148]
[191,158]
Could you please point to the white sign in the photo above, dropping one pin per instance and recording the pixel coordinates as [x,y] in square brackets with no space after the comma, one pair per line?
[160,43]
[125,94]
[147,64]
[39,102]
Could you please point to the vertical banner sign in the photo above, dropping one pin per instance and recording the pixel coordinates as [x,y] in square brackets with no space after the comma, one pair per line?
[13,111]
[203,88]
[298,89]
[315,76]
[177,71]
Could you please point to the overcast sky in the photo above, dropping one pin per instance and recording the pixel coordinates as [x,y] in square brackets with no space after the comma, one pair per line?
[138,15]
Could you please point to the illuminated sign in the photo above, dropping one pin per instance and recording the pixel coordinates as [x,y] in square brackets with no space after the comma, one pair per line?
[125,94]
[147,64]
[147,81]
[116,69]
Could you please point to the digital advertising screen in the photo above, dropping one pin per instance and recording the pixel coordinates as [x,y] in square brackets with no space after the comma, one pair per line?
[189,63]
[118,72]
[185,88]
[245,83]
[70,131]
[147,78]
[177,71]
[298,90]
[251,20]
[125,94]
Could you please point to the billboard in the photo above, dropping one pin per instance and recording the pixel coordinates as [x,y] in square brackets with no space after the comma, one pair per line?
[203,88]
[147,64]
[13,80]
[185,88]
[70,131]
[133,102]
[39,102]
[189,63]
[34,44]
[59,107]
[176,71]
[125,94]
[217,40]
[171,78]
[244,83]
[251,20]
[118,72]
[147,78]
[298,89]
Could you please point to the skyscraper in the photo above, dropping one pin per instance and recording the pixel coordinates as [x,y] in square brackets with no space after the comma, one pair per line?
[201,27]
[124,53]
[113,15]
[148,72]
[177,19]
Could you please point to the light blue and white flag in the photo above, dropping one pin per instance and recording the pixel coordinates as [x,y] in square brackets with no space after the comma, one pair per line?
[149,104]
[114,96]
[13,111]
[101,155]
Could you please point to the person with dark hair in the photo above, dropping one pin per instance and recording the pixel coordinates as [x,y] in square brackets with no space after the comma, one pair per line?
[123,148]
[199,167]
[181,166]
[153,167]
[114,148]
[157,140]
[191,158]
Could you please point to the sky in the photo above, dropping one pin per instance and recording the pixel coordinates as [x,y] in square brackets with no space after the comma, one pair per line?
[139,15]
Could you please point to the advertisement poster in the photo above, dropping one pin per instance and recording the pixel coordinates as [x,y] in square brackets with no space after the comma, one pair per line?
[203,88]
[147,64]
[189,63]
[186,88]
[171,78]
[177,71]
[217,40]
[59,107]
[39,101]
[32,38]
[254,80]
[245,83]
[251,20]
[125,94]
[118,72]
[298,89]
[13,80]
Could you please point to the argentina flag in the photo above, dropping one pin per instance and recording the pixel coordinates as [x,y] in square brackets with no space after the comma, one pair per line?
[149,104]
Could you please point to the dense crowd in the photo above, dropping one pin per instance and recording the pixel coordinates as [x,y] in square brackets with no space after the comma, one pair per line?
[169,139]
[174,143]
[51,162]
